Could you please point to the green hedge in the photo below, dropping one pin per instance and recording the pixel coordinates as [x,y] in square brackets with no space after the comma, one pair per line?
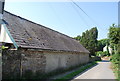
[102,54]
[115,59]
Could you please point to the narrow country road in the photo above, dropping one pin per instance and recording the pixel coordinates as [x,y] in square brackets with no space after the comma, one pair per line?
[100,71]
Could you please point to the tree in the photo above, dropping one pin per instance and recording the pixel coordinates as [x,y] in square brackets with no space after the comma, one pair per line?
[102,43]
[114,35]
[78,38]
[89,40]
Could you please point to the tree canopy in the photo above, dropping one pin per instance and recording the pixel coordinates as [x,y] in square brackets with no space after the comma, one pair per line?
[114,36]
[102,43]
[89,39]
[78,38]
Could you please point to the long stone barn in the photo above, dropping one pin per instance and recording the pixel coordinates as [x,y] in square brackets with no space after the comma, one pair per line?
[34,47]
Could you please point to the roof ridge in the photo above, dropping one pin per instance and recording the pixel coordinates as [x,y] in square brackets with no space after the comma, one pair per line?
[37,24]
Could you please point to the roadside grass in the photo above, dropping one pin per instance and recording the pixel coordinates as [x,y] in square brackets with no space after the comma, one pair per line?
[73,74]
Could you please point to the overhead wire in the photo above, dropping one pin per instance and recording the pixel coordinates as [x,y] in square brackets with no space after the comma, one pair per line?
[87,15]
[84,21]
[84,12]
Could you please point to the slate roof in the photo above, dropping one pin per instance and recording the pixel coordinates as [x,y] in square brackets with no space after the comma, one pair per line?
[28,34]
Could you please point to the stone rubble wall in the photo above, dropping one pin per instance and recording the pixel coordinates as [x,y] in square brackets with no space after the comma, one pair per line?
[33,60]
[63,60]
[17,62]
[10,63]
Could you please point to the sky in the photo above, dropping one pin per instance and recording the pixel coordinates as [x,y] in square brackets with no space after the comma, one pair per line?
[66,17]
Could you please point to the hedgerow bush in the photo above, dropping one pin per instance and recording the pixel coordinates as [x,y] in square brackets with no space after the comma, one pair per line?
[115,59]
[102,54]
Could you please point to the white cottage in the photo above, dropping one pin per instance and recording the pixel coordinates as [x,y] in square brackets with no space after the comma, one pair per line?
[107,48]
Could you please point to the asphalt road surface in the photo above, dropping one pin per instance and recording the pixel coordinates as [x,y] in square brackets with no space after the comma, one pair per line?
[101,71]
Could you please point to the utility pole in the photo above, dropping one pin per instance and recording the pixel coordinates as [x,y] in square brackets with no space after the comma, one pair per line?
[1,18]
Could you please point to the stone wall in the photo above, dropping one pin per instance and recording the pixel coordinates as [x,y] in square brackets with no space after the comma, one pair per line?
[63,60]
[17,62]
[33,60]
[10,63]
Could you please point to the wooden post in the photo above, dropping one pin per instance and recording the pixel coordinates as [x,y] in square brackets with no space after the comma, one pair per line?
[0,62]
[20,65]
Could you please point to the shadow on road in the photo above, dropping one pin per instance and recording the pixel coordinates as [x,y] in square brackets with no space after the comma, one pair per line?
[105,61]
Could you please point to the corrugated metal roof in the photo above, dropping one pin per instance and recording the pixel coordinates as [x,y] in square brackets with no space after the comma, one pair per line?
[28,34]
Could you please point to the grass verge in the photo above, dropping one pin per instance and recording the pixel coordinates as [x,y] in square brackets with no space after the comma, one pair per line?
[73,74]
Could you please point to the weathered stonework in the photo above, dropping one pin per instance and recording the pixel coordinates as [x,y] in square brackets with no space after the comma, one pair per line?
[63,60]
[21,60]
[33,60]
[10,63]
